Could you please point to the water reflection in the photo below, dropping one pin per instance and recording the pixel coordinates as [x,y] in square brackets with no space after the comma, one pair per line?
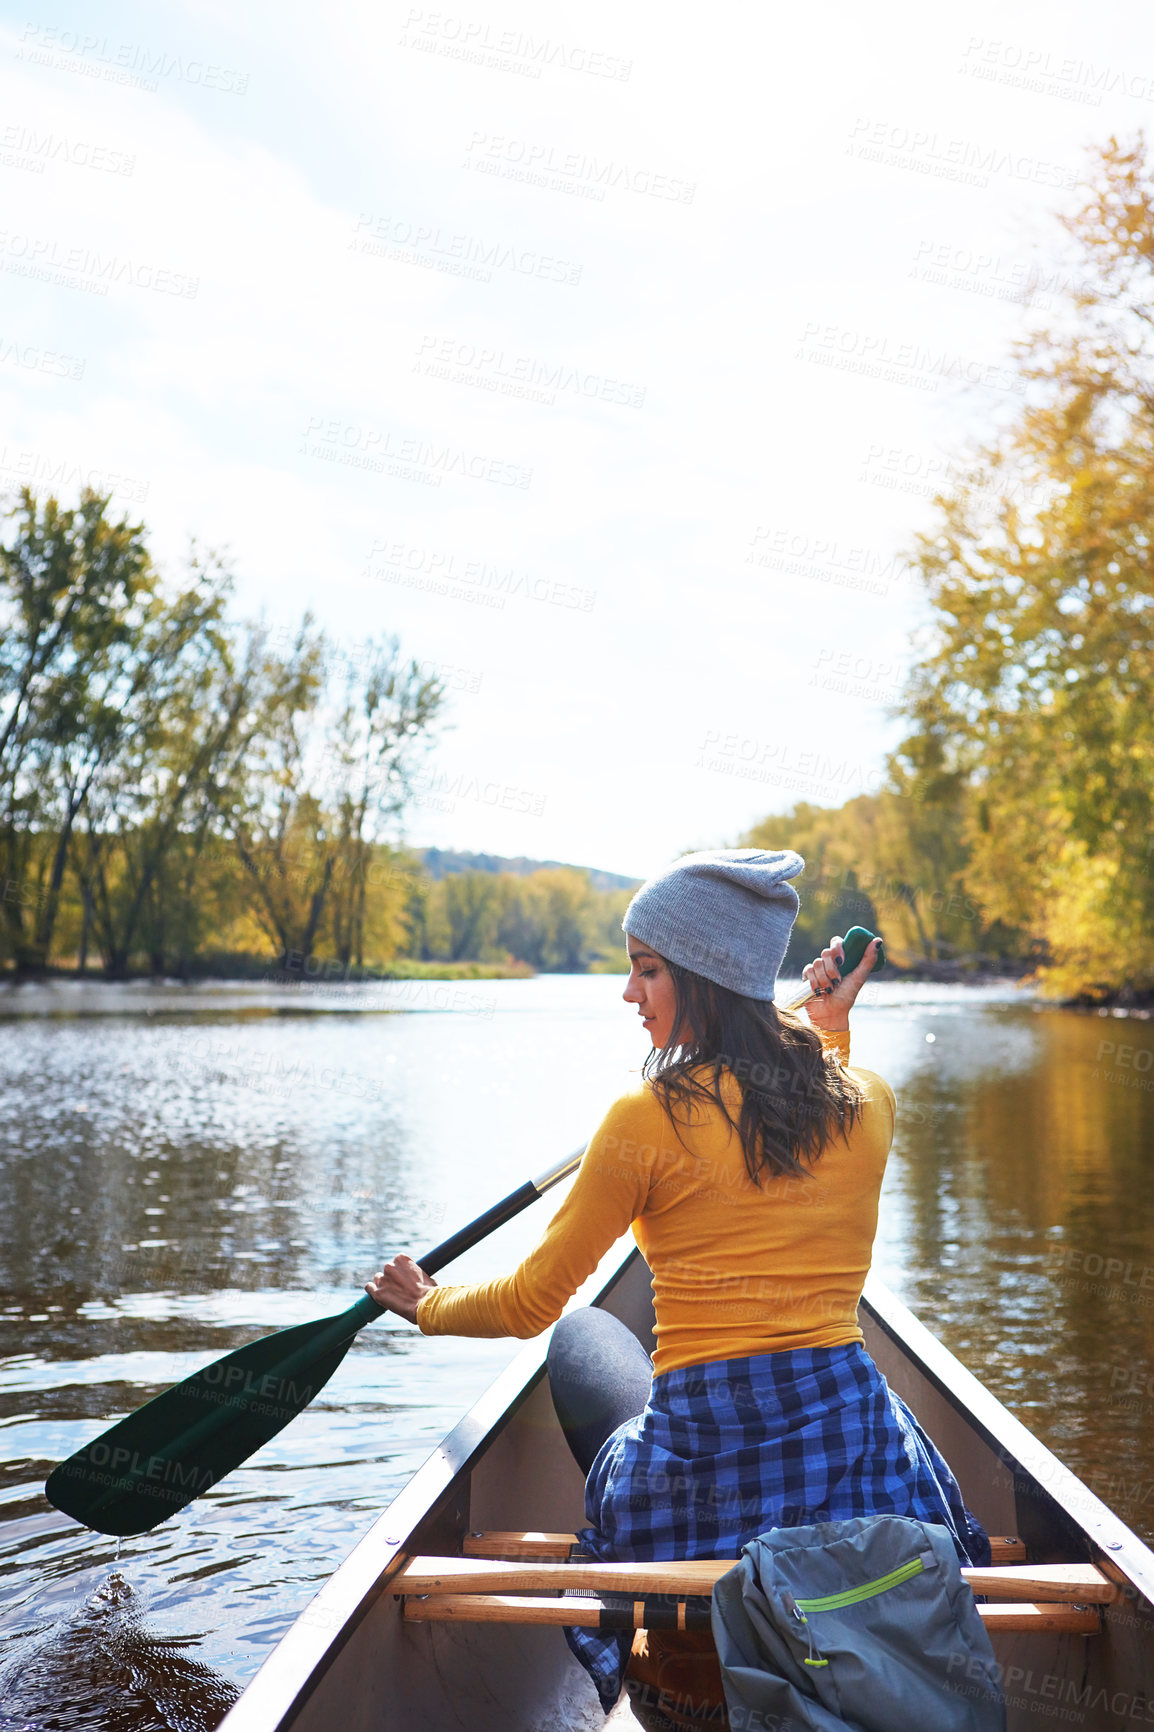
[177,1181]
[1022,1225]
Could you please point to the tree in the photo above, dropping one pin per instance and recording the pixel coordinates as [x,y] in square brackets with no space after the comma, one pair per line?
[569,910]
[75,593]
[385,710]
[190,708]
[472,910]
[1036,689]
[892,862]
[141,727]
[321,782]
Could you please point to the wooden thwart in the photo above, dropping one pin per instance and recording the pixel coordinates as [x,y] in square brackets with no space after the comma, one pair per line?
[524,1584]
[554,1547]
[1083,1583]
[647,1613]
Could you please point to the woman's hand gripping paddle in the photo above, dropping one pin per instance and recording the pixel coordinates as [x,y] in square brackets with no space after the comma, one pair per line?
[854,946]
[176,1446]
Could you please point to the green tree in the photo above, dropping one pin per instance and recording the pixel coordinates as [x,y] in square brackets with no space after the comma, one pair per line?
[550,918]
[76,591]
[378,728]
[472,903]
[199,788]
[149,807]
[323,779]
[892,862]
[569,909]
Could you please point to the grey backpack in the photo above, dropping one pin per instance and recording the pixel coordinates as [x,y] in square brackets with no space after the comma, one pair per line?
[863,1624]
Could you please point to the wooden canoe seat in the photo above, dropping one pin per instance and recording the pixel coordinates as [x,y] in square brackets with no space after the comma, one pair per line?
[529,1583]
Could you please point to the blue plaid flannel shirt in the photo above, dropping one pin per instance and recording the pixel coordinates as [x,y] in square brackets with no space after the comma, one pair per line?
[726,1451]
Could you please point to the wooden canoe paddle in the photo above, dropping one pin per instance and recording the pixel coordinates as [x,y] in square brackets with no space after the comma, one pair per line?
[170,1451]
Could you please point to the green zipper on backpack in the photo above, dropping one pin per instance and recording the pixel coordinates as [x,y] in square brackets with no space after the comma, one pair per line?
[851,1596]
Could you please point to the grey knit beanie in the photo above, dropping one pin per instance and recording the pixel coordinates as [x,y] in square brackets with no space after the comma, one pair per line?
[726,914]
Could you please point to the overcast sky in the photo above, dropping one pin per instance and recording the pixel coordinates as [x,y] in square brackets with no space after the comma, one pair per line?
[609,356]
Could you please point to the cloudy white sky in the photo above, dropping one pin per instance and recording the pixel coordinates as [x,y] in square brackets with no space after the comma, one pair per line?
[610,356]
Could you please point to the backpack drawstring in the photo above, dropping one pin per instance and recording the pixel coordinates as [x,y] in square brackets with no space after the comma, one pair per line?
[813,1658]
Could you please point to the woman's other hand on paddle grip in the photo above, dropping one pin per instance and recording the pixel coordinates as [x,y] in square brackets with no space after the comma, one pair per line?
[835,993]
[400,1286]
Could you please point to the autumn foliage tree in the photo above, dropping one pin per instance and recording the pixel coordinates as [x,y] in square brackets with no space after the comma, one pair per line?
[1016,822]
[1036,690]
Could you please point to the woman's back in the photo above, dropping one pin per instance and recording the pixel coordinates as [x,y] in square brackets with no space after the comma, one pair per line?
[739,1268]
[743,1267]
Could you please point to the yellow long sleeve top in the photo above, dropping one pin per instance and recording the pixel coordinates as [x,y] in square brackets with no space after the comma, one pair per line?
[739,1268]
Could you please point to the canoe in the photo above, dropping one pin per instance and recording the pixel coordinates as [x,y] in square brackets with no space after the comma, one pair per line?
[378,1650]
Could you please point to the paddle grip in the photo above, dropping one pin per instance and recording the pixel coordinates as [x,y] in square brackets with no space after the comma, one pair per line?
[855,944]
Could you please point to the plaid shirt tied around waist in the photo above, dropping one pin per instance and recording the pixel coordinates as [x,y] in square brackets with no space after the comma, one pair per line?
[727,1450]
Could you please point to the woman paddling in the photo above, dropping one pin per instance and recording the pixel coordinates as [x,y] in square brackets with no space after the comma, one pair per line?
[749,1165]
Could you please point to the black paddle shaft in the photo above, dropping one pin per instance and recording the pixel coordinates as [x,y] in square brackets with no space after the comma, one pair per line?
[464,1240]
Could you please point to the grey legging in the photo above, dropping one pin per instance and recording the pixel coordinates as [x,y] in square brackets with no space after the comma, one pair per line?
[599,1376]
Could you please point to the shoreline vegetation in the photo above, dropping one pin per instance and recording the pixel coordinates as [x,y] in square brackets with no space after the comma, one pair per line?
[184,793]
[1138,1006]
[254,970]
[257,971]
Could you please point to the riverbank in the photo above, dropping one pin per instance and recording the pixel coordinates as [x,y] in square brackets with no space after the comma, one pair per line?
[401,968]
[201,971]
[979,973]
[261,971]
[1023,972]
[334,978]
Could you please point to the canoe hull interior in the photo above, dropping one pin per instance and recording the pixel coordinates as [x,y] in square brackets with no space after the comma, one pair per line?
[1014,1485]
[351,1664]
[481,1676]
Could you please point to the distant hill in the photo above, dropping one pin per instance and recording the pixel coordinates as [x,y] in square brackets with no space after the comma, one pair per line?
[441,862]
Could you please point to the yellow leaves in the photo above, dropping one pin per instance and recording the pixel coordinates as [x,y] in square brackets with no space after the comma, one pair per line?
[1040,677]
[1097,937]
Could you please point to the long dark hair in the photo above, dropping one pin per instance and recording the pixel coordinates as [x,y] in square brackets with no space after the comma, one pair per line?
[794,1100]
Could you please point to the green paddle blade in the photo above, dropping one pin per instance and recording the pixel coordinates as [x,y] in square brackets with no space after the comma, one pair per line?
[176,1446]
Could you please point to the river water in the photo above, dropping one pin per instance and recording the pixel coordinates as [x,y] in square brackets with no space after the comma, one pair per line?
[183,1169]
